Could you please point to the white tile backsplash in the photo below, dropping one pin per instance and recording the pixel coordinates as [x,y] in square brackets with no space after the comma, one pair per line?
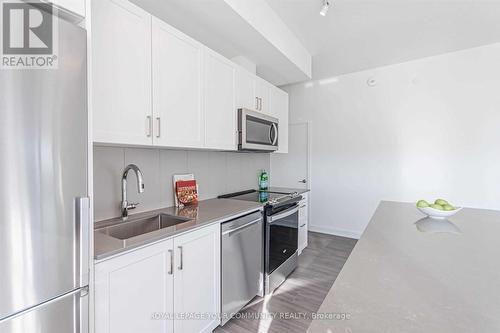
[216,173]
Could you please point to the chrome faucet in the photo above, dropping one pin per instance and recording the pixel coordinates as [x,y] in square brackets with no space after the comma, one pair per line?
[125,205]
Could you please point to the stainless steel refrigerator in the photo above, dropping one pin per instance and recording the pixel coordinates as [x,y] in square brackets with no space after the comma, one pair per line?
[44,213]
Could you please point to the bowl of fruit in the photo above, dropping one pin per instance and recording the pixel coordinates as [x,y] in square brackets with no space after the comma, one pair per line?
[440,209]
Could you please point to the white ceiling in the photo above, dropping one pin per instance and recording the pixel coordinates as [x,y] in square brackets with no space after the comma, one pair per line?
[220,27]
[363,34]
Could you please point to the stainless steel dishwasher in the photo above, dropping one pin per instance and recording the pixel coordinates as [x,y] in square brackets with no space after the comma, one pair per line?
[242,263]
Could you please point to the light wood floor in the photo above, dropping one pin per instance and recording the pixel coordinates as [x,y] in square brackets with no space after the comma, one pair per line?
[301,294]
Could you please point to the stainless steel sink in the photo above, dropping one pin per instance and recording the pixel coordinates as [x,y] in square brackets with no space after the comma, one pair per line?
[137,227]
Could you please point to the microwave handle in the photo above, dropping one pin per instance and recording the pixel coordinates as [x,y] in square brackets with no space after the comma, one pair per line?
[273,134]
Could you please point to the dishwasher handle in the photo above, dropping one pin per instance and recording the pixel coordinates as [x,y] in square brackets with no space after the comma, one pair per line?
[244,226]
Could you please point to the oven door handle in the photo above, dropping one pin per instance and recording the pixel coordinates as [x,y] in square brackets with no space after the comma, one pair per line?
[284,214]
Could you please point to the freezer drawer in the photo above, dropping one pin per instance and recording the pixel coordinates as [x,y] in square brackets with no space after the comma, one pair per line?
[242,263]
[65,314]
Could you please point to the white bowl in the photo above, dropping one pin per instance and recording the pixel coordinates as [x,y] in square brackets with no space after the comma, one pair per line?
[438,214]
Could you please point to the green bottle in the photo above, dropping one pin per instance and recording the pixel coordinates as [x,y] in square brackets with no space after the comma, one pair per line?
[263,180]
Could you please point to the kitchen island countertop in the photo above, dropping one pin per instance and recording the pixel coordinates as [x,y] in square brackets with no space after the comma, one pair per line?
[411,274]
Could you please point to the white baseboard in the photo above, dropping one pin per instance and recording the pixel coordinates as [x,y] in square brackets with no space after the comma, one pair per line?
[336,232]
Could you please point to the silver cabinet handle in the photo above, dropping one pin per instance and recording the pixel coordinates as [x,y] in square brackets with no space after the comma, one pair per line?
[256,103]
[149,125]
[303,225]
[171,271]
[260,107]
[303,181]
[180,258]
[158,133]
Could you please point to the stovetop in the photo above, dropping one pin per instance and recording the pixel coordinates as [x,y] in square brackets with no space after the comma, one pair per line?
[265,197]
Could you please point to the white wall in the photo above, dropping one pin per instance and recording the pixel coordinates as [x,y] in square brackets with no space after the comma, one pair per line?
[429,128]
[216,173]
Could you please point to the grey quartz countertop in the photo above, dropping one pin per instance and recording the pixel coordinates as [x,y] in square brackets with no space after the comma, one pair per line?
[411,274]
[205,213]
[288,190]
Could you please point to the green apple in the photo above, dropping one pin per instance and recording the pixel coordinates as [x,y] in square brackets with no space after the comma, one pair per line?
[448,207]
[422,204]
[436,206]
[441,202]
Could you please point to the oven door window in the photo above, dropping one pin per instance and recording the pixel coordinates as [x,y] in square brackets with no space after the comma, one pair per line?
[258,131]
[283,240]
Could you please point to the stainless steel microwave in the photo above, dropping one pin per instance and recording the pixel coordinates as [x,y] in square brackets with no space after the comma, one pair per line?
[257,131]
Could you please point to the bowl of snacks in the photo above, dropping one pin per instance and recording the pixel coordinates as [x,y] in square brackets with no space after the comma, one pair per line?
[440,209]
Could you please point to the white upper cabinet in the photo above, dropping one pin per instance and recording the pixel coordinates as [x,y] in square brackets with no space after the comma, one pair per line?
[121,73]
[252,92]
[154,85]
[74,6]
[245,90]
[279,108]
[219,102]
[262,93]
[177,88]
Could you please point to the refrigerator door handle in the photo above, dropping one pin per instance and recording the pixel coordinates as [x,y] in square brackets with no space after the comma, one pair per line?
[82,239]
[84,310]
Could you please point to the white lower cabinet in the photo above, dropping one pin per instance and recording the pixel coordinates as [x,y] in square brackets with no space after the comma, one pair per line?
[303,222]
[130,290]
[197,280]
[170,286]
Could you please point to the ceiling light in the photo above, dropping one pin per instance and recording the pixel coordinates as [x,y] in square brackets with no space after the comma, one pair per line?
[324,8]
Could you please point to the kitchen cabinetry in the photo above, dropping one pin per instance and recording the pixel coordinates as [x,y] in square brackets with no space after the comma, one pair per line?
[197,279]
[219,102]
[279,109]
[177,88]
[303,222]
[252,92]
[245,90]
[121,73]
[154,288]
[262,93]
[132,290]
[154,85]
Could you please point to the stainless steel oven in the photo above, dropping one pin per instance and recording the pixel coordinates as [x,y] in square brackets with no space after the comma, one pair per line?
[281,243]
[257,131]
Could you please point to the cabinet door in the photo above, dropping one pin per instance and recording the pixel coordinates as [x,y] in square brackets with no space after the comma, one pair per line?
[177,88]
[197,279]
[303,222]
[134,292]
[121,82]
[75,6]
[262,91]
[245,90]
[219,106]
[279,109]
